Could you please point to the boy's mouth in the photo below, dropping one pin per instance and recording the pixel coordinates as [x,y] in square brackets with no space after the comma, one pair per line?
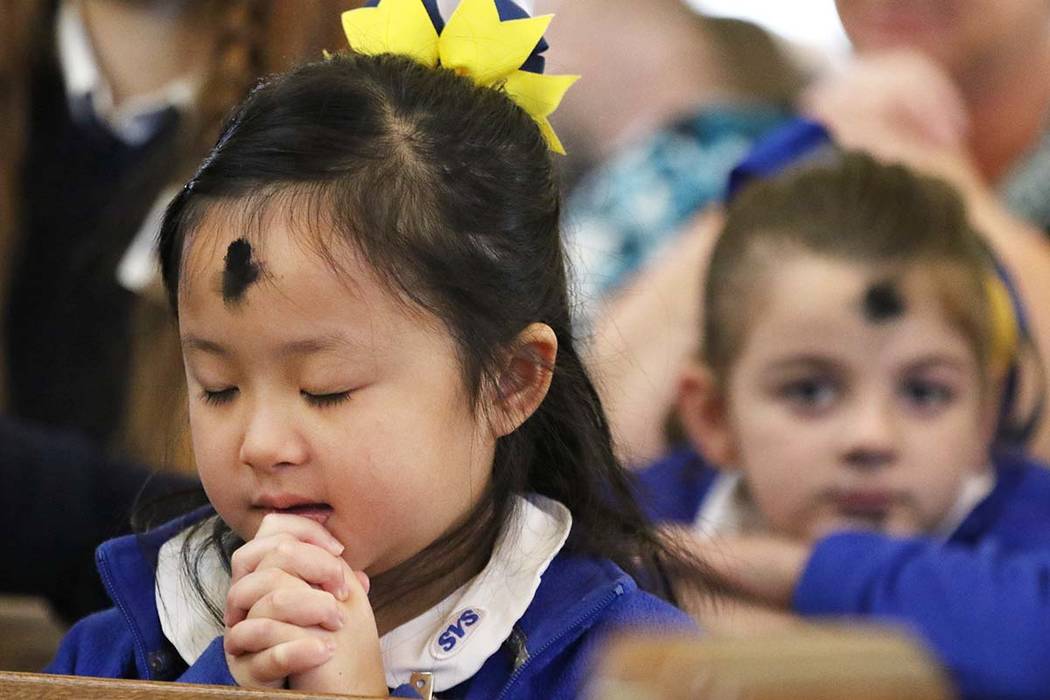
[864,501]
[870,508]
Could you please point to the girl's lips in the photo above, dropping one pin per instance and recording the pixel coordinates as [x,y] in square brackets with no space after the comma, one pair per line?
[319,512]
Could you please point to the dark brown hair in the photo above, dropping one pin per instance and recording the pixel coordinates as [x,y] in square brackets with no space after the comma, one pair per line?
[448,191]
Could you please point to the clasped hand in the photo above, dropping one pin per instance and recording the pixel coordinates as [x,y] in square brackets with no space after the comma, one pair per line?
[298,616]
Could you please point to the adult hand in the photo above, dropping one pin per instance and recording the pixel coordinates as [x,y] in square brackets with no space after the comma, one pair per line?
[645,334]
[902,107]
[901,95]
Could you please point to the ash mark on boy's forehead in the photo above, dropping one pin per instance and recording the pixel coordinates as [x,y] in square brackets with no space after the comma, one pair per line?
[883,302]
[240,271]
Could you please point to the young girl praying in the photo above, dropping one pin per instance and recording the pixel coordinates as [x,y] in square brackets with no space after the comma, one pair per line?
[857,338]
[408,467]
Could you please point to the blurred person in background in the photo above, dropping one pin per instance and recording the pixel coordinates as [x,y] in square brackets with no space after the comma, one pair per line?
[103,105]
[117,98]
[662,115]
[967,75]
[956,89]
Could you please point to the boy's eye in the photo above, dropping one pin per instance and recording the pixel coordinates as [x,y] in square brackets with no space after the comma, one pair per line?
[927,394]
[323,400]
[812,394]
[220,396]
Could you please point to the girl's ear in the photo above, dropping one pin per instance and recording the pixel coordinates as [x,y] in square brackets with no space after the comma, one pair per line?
[525,378]
[704,415]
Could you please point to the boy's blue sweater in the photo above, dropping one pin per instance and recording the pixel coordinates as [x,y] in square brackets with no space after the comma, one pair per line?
[579,601]
[981,599]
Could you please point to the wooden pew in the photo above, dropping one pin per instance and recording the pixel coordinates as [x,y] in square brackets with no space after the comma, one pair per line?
[29,635]
[30,686]
[812,662]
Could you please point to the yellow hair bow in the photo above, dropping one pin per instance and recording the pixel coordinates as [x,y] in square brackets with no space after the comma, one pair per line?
[1004,331]
[474,42]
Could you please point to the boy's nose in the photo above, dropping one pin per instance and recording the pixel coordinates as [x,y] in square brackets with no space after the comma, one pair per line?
[271,440]
[871,439]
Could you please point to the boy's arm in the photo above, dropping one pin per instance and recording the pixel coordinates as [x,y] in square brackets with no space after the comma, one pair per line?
[985,613]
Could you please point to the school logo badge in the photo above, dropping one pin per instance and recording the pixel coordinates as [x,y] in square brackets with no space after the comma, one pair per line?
[458,627]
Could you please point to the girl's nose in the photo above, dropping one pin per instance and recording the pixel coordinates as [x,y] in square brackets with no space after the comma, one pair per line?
[871,439]
[271,440]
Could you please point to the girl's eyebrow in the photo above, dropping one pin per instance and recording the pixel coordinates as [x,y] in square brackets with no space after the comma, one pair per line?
[192,342]
[325,343]
[305,346]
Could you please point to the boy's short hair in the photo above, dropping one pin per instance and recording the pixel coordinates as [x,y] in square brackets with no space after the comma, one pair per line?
[855,209]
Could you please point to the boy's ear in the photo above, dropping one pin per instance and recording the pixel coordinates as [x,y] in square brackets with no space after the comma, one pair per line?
[526,376]
[991,408]
[704,415]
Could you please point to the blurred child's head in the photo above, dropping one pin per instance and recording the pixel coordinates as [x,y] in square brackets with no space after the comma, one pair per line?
[371,292]
[851,359]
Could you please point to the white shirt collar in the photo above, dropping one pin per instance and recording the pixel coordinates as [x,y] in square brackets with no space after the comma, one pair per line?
[134,121]
[974,490]
[728,510]
[452,640]
[140,265]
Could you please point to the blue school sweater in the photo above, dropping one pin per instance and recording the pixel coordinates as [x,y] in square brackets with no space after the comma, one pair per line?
[981,599]
[579,601]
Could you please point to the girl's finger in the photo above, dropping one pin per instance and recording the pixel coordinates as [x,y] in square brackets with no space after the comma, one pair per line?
[246,557]
[315,565]
[363,579]
[245,593]
[303,529]
[360,577]
[309,608]
[259,634]
[288,659]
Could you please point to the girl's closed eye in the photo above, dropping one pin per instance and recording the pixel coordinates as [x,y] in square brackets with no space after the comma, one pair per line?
[323,400]
[216,397]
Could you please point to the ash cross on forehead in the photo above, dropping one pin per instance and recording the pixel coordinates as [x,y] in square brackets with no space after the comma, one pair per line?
[240,271]
[883,302]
